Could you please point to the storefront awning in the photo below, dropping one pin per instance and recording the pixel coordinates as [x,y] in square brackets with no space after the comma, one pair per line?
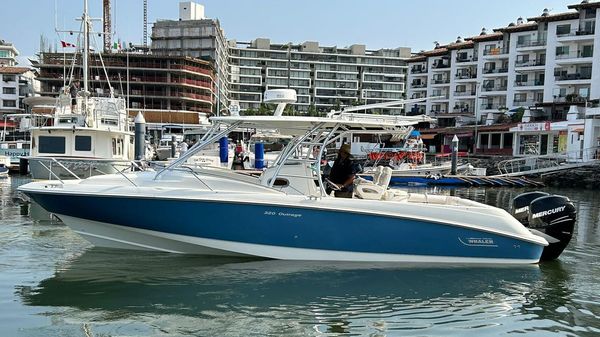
[460,135]
[7,124]
[428,135]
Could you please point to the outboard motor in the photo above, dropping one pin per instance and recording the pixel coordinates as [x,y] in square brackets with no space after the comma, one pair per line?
[520,205]
[552,215]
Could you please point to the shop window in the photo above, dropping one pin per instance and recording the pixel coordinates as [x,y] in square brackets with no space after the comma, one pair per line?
[508,141]
[529,144]
[495,141]
[483,142]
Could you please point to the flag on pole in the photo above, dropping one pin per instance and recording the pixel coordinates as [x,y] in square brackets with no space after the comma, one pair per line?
[67,44]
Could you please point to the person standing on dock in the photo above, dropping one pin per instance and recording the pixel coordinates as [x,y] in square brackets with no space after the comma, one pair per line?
[183,147]
[343,173]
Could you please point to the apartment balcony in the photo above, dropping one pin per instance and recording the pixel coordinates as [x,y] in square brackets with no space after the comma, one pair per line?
[524,103]
[440,97]
[493,106]
[494,88]
[572,77]
[576,35]
[575,57]
[471,93]
[418,70]
[495,71]
[416,111]
[570,98]
[533,83]
[465,77]
[440,65]
[440,82]
[531,45]
[418,85]
[462,109]
[496,52]
[466,59]
[530,63]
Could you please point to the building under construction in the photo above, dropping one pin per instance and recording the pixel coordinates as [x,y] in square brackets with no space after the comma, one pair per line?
[168,89]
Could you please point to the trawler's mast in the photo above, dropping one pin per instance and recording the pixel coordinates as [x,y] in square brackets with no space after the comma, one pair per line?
[86,46]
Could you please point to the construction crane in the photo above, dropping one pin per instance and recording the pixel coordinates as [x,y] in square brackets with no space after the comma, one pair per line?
[145,24]
[106,25]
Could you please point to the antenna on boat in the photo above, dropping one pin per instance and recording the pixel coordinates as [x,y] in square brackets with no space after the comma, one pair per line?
[386,104]
[281,97]
[86,49]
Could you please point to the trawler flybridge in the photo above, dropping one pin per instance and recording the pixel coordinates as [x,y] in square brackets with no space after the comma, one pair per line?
[286,214]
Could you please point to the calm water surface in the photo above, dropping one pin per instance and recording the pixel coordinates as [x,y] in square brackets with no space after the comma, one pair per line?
[52,283]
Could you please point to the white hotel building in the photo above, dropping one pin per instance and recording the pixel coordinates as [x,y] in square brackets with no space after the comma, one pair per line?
[544,65]
[323,77]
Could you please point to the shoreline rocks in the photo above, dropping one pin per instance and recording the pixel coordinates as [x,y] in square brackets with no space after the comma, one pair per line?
[583,177]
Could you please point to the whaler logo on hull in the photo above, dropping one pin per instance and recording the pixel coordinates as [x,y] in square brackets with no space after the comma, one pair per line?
[548,212]
[478,242]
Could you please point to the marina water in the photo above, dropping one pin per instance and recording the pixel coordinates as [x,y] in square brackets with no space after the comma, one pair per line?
[53,283]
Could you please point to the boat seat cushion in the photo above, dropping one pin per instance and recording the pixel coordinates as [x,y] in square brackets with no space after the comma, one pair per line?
[376,189]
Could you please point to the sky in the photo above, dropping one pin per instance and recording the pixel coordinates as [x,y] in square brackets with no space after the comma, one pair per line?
[375,23]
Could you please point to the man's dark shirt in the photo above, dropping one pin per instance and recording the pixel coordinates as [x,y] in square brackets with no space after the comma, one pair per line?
[342,170]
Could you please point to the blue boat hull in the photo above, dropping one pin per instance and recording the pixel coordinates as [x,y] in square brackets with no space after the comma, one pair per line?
[300,229]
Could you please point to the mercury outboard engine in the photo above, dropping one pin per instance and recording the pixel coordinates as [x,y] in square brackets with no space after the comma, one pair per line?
[552,215]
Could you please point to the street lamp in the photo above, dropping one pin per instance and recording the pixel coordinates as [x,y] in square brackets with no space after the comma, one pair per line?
[476,140]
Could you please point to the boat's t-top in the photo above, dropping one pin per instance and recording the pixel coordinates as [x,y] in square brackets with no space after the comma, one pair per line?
[310,137]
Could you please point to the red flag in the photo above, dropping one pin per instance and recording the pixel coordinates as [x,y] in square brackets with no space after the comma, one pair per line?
[66,44]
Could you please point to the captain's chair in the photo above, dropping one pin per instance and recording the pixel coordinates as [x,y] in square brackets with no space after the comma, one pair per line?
[376,189]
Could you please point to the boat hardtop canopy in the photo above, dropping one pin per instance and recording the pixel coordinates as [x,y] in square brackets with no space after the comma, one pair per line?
[295,125]
[311,135]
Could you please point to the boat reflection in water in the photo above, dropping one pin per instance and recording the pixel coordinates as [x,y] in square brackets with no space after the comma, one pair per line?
[296,297]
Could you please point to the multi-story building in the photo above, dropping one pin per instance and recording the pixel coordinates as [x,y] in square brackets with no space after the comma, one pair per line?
[16,83]
[196,36]
[545,64]
[540,67]
[323,77]
[8,54]
[168,89]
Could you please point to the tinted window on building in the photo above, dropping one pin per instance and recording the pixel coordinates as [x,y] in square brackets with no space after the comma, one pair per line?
[49,144]
[83,143]
[9,103]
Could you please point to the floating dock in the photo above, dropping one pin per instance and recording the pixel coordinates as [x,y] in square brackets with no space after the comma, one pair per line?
[463,180]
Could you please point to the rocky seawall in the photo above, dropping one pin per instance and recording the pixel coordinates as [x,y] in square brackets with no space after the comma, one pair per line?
[583,177]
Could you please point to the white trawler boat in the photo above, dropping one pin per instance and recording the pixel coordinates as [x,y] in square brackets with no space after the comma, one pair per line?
[88,135]
[285,213]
